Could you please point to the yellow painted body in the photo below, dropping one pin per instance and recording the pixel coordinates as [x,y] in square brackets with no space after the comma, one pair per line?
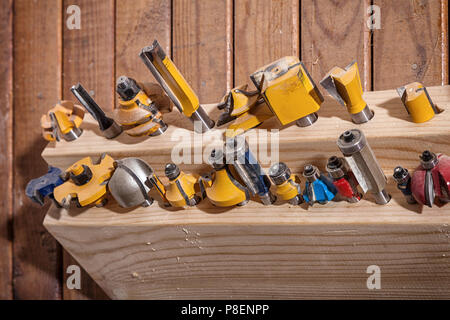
[188,100]
[418,103]
[348,86]
[94,191]
[136,120]
[185,182]
[288,189]
[288,90]
[159,187]
[67,114]
[222,191]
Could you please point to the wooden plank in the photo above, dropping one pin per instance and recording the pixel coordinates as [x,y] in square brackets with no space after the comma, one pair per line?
[412,44]
[37,87]
[88,58]
[264,32]
[255,252]
[203,46]
[137,25]
[401,144]
[334,33]
[6,145]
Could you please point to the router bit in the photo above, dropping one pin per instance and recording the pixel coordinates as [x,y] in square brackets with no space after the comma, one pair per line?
[181,190]
[39,188]
[176,87]
[345,86]
[63,121]
[129,183]
[220,187]
[363,164]
[431,179]
[109,128]
[417,102]
[403,179]
[137,113]
[85,182]
[288,184]
[343,179]
[245,109]
[247,167]
[289,91]
[318,188]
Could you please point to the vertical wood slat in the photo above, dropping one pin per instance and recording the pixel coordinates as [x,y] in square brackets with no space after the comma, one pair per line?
[203,46]
[6,146]
[264,31]
[412,44]
[37,86]
[138,23]
[334,33]
[88,58]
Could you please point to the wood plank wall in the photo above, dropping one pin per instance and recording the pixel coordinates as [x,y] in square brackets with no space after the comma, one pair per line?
[216,44]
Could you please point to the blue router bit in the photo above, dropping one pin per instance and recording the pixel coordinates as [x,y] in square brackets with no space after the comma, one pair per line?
[318,188]
[39,188]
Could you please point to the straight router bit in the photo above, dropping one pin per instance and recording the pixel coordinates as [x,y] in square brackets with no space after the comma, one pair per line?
[176,87]
[403,179]
[239,155]
[345,86]
[364,165]
[343,179]
[109,128]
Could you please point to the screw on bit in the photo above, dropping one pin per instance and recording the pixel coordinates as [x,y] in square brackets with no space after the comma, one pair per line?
[364,165]
[403,179]
[108,126]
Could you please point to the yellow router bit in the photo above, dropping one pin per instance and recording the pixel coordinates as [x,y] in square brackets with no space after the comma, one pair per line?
[137,113]
[221,188]
[288,184]
[245,109]
[289,91]
[417,102]
[176,87]
[85,182]
[345,86]
[63,121]
[181,189]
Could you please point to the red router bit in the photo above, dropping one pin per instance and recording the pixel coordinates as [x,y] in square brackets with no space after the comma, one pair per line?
[431,179]
[343,179]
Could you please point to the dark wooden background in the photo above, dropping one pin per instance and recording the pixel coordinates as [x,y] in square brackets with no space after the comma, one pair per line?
[216,44]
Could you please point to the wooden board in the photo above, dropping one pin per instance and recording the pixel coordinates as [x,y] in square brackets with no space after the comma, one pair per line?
[280,251]
[88,58]
[37,87]
[203,46]
[412,44]
[264,31]
[6,145]
[327,27]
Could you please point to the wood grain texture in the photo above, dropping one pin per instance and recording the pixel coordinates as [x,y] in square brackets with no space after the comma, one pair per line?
[265,31]
[138,23]
[334,33]
[6,145]
[411,44]
[88,58]
[401,144]
[37,87]
[260,253]
[203,46]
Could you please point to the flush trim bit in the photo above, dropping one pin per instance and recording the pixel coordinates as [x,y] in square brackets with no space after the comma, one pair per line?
[364,165]
[403,179]
[176,87]
[345,86]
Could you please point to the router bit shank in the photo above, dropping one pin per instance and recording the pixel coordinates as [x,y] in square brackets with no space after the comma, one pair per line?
[364,165]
